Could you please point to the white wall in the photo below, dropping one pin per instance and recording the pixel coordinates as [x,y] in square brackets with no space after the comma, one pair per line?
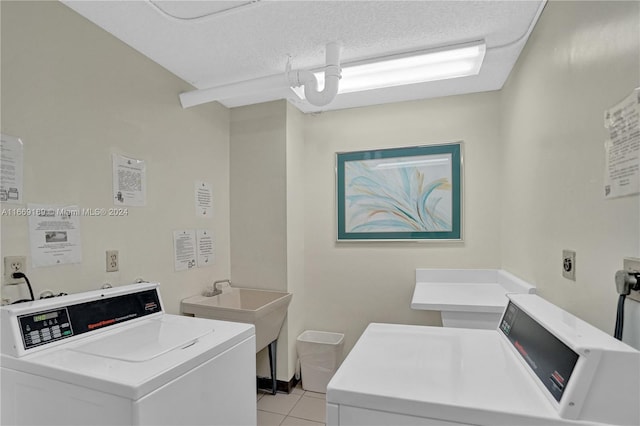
[295,232]
[266,226]
[258,196]
[349,284]
[582,58]
[75,95]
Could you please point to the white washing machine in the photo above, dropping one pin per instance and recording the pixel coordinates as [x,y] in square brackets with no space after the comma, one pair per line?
[541,366]
[113,357]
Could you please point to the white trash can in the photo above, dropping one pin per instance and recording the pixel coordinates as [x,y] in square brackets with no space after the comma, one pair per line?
[319,353]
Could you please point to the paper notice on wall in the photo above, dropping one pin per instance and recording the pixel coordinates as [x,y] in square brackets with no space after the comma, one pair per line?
[206,247]
[11,167]
[622,150]
[184,249]
[204,199]
[129,181]
[54,235]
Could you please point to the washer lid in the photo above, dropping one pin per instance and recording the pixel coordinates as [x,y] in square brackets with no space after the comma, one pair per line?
[136,359]
[146,341]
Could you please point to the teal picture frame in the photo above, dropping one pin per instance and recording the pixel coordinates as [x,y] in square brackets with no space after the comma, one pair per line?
[400,194]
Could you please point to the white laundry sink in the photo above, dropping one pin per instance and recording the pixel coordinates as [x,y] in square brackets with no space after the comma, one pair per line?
[265,309]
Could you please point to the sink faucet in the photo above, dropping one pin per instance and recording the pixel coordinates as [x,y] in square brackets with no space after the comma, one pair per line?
[216,290]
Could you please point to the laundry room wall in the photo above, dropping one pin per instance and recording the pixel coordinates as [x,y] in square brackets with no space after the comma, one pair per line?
[582,58]
[75,95]
[296,172]
[259,196]
[350,284]
[259,209]
[267,214]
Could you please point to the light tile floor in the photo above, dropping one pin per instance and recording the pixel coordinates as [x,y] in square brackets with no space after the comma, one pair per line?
[299,408]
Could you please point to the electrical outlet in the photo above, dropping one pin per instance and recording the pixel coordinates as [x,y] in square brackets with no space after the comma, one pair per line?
[569,264]
[632,264]
[113,262]
[14,264]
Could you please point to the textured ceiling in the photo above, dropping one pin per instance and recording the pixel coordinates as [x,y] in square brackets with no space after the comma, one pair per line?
[211,43]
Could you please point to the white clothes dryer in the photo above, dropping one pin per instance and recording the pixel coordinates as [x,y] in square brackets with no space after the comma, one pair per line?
[113,357]
[541,366]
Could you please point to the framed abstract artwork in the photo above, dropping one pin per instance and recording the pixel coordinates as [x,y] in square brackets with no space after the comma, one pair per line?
[412,193]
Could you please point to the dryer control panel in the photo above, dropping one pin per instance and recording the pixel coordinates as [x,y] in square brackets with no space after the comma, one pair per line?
[584,373]
[548,357]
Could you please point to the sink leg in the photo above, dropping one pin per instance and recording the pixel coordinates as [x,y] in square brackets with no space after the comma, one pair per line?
[273,346]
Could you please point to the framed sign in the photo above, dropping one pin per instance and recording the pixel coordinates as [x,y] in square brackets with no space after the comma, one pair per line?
[412,193]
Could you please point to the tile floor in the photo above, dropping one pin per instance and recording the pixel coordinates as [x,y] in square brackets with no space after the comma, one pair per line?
[299,408]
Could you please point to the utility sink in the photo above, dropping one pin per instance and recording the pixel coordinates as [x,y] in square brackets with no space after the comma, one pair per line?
[265,309]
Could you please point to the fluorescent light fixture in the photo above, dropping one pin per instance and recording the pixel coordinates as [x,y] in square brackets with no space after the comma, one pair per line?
[416,67]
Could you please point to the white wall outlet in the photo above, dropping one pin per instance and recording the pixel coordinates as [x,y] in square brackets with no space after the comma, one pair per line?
[14,264]
[569,264]
[113,261]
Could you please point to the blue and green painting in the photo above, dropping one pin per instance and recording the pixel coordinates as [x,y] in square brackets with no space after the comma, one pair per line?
[406,194]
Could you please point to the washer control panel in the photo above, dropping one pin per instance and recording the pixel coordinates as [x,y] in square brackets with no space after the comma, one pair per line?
[45,327]
[30,327]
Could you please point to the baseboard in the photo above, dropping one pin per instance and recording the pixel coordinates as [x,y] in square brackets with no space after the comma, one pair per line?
[264,383]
